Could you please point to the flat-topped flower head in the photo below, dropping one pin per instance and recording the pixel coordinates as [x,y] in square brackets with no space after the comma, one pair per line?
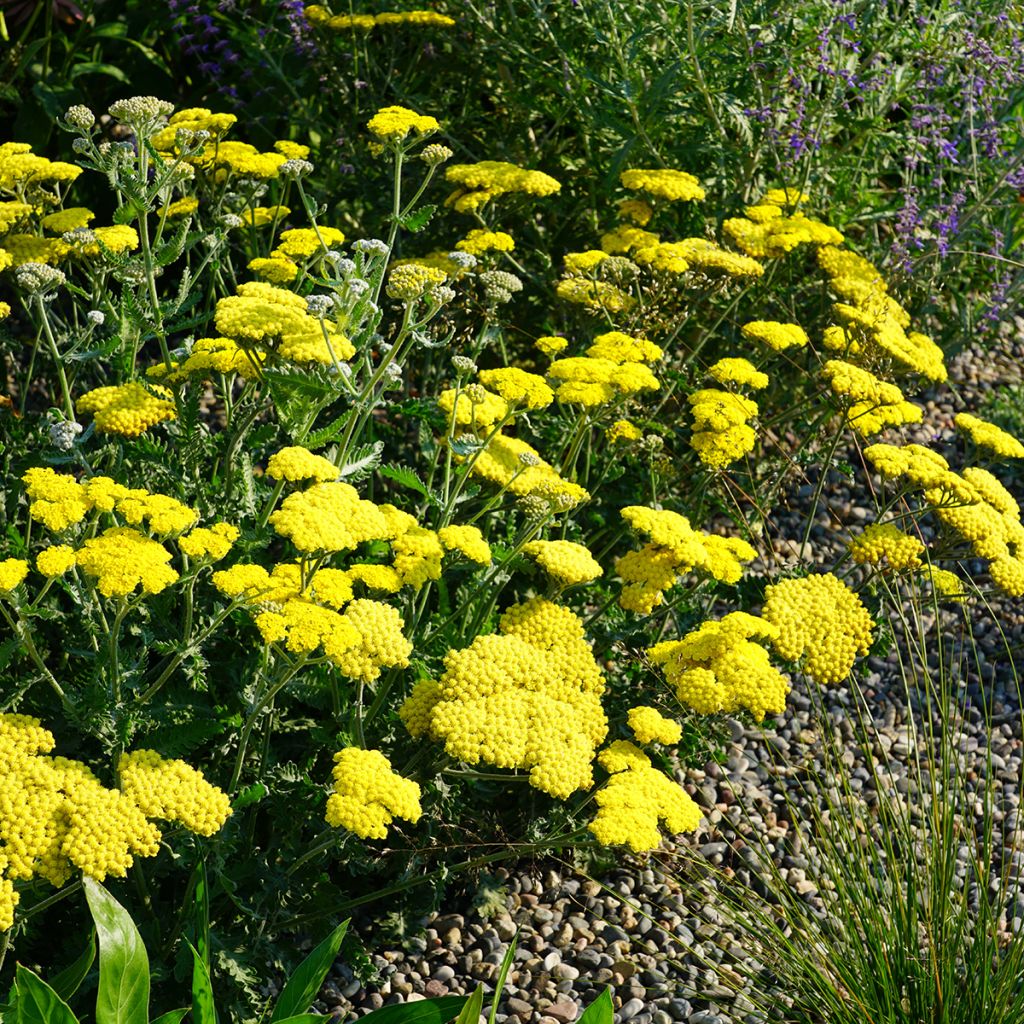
[989,437]
[368,794]
[664,183]
[566,562]
[296,463]
[394,124]
[778,336]
[885,544]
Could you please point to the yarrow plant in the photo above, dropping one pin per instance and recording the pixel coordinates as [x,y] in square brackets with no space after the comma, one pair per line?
[321,516]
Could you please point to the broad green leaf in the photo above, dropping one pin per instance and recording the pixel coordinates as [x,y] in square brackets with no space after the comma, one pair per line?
[306,1018]
[506,963]
[600,1011]
[426,1011]
[66,983]
[123,995]
[171,1016]
[95,67]
[36,1003]
[301,988]
[204,1010]
[474,1007]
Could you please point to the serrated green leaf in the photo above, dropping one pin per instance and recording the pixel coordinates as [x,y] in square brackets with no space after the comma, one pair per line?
[362,462]
[66,983]
[419,219]
[600,1011]
[426,1011]
[249,796]
[409,479]
[124,214]
[123,995]
[326,435]
[301,988]
[35,1002]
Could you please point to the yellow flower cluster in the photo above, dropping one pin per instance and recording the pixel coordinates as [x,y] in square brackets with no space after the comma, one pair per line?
[368,794]
[123,559]
[277,320]
[480,240]
[721,433]
[55,561]
[329,517]
[820,620]
[481,182]
[128,409]
[710,258]
[12,572]
[474,407]
[409,281]
[720,668]
[623,432]
[566,562]
[636,799]
[576,263]
[769,231]
[738,371]
[511,463]
[675,549]
[517,387]
[775,335]
[209,356]
[597,295]
[58,501]
[886,544]
[614,366]
[636,210]
[974,504]
[528,697]
[551,345]
[875,404]
[946,584]
[989,437]
[68,219]
[316,14]
[875,323]
[58,817]
[172,791]
[664,183]
[649,726]
[212,543]
[359,641]
[217,157]
[295,463]
[468,541]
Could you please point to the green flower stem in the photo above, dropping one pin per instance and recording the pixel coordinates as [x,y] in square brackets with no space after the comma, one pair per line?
[254,715]
[51,341]
[328,838]
[271,504]
[452,500]
[825,466]
[178,658]
[21,631]
[150,269]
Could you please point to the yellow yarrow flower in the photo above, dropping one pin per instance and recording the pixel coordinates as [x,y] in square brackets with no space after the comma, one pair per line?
[820,622]
[468,540]
[738,371]
[721,666]
[551,344]
[12,572]
[636,799]
[990,437]
[393,124]
[663,182]
[518,387]
[296,463]
[212,543]
[623,432]
[776,335]
[368,794]
[127,409]
[56,560]
[480,240]
[328,517]
[886,543]
[649,726]
[566,562]
[122,559]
